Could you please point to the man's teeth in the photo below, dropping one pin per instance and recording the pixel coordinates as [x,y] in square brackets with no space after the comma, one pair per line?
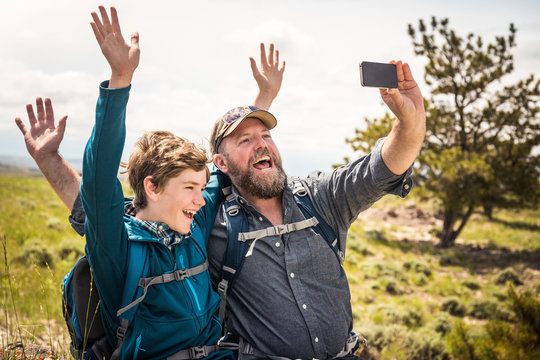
[191,212]
[263,158]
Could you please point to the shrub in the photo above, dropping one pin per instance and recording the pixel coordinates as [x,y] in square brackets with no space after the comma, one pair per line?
[419,279]
[35,253]
[386,314]
[502,340]
[508,275]
[441,324]
[454,306]
[447,260]
[482,309]
[417,267]
[427,345]
[54,223]
[471,284]
[413,318]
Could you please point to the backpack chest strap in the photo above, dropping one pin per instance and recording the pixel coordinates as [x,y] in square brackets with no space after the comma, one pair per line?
[277,230]
[177,275]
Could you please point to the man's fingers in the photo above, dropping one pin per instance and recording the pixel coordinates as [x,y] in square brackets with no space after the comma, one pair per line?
[263,56]
[21,125]
[276,64]
[271,55]
[40,109]
[115,22]
[407,73]
[61,128]
[31,115]
[254,68]
[282,68]
[105,19]
[399,68]
[49,113]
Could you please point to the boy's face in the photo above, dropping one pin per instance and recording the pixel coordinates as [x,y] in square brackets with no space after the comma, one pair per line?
[181,198]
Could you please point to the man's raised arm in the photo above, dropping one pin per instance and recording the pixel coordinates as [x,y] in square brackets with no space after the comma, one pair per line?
[42,141]
[268,78]
[405,139]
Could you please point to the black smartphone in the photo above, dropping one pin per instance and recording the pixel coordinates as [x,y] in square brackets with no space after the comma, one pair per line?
[378,75]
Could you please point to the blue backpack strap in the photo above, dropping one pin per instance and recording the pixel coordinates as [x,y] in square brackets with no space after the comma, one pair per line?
[303,200]
[137,269]
[235,250]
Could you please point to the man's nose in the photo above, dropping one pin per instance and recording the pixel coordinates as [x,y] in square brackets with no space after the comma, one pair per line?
[261,143]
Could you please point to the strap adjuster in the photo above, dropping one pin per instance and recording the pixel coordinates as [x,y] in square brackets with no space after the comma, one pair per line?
[121,332]
[197,352]
[180,275]
[222,287]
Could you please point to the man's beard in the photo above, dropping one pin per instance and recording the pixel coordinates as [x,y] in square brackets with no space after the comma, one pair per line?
[266,187]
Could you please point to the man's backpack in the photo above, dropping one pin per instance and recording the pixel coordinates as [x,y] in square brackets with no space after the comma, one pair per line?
[237,248]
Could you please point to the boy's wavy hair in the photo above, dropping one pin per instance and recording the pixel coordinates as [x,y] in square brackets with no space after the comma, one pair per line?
[161,155]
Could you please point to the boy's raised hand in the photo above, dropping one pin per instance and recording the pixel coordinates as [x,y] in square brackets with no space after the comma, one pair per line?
[122,57]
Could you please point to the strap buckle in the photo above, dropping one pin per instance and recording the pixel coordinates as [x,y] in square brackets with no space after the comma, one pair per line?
[120,333]
[281,229]
[180,275]
[222,287]
[197,352]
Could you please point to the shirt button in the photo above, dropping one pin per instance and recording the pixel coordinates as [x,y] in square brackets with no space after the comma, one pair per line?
[160,227]
[292,274]
[241,201]
[304,306]
[406,186]
[316,339]
[278,244]
[260,218]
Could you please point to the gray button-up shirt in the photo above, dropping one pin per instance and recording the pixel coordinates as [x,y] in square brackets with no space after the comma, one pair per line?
[292,297]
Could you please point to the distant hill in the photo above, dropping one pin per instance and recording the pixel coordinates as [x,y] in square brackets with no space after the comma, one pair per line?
[25,164]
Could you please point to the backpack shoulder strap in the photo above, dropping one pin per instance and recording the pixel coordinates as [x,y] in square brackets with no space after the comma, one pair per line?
[137,269]
[304,202]
[233,258]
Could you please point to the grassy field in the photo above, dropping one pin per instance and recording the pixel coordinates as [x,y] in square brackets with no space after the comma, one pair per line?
[410,298]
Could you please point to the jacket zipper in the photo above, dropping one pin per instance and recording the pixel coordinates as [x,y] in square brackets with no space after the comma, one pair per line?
[190,285]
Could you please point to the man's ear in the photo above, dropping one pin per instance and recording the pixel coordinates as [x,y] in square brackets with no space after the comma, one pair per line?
[152,193]
[221,163]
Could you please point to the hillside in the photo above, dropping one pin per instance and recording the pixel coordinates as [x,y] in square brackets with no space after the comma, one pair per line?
[409,297]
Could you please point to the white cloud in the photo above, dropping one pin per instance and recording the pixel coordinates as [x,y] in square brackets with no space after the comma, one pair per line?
[194,63]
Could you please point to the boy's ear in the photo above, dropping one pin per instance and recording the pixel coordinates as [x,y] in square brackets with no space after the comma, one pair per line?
[150,189]
[221,163]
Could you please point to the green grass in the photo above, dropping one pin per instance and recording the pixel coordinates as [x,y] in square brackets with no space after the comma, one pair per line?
[398,287]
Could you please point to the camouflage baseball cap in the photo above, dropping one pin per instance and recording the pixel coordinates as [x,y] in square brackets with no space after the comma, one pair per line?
[226,124]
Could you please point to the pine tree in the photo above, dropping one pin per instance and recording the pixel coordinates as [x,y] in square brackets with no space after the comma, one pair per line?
[483,135]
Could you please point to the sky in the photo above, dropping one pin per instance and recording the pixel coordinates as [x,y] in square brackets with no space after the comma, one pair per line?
[195,64]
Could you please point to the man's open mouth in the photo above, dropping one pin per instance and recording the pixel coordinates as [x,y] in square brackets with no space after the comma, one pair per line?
[263,162]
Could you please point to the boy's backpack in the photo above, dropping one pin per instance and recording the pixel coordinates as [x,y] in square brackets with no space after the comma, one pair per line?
[80,300]
[80,305]
[237,248]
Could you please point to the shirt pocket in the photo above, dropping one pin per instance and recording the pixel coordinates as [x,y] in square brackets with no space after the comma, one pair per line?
[324,261]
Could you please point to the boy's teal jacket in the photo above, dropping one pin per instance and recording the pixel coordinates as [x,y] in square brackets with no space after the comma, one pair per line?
[173,316]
